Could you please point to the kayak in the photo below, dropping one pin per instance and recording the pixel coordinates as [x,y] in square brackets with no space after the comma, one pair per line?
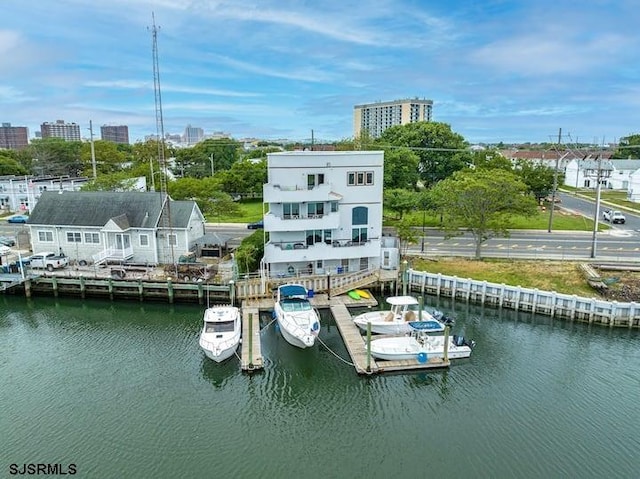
[362,293]
[353,294]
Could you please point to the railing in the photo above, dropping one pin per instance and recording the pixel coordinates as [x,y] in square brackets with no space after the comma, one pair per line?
[112,253]
[550,303]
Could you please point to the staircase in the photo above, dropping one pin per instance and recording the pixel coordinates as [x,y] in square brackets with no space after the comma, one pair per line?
[360,279]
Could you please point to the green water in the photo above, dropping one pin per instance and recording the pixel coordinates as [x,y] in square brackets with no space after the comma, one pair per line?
[122,390]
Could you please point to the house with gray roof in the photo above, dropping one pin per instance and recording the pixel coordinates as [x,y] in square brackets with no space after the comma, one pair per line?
[100,226]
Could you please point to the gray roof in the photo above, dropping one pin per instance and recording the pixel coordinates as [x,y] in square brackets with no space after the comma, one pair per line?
[96,208]
[631,165]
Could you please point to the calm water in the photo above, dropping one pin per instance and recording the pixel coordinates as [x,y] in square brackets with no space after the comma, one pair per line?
[122,390]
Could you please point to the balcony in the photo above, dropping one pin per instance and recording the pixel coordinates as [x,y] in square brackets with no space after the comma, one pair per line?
[327,221]
[283,251]
[280,193]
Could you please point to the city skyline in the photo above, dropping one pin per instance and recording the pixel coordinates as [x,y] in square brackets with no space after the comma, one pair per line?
[510,71]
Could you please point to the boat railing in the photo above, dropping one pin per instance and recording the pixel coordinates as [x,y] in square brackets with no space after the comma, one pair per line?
[221,345]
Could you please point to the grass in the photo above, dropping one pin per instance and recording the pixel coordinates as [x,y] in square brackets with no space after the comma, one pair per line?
[250,211]
[559,276]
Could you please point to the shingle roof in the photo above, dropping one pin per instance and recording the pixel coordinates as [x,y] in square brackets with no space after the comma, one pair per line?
[96,208]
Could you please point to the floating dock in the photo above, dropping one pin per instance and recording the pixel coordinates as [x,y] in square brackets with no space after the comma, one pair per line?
[251,352]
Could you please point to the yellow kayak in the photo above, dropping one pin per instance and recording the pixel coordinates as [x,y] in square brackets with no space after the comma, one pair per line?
[363,294]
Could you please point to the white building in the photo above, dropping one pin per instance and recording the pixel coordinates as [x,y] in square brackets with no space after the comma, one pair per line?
[325,213]
[21,194]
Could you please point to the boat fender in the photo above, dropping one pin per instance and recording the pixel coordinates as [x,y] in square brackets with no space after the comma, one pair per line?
[277,328]
[273,314]
[315,326]
[422,358]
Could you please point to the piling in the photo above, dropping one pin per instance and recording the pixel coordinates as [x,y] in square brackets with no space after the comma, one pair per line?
[369,347]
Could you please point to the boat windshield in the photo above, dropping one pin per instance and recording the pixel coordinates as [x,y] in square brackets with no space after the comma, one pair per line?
[219,327]
[293,304]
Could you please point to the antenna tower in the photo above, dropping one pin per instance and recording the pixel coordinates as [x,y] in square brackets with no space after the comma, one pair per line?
[165,215]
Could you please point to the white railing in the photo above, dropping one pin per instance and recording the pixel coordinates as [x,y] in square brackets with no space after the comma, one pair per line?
[550,303]
[112,253]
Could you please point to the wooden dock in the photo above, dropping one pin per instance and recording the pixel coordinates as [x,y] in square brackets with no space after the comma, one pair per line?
[251,354]
[357,347]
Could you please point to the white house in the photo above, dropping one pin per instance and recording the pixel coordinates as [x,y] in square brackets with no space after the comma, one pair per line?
[98,226]
[621,173]
[21,193]
[633,192]
[583,173]
[324,213]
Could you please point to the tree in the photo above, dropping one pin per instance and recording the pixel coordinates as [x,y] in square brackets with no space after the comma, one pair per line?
[56,156]
[537,177]
[109,158]
[210,199]
[481,202]
[400,168]
[489,159]
[441,151]
[245,177]
[628,147]
[400,201]
[250,252]
[119,181]
[9,165]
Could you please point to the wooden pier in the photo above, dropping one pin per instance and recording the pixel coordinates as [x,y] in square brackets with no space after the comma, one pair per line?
[251,353]
[356,345]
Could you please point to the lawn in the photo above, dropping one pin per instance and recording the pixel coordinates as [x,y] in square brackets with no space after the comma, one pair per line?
[250,211]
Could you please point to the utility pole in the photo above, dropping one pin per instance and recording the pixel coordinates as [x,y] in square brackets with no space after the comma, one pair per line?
[596,217]
[312,140]
[211,160]
[555,183]
[93,151]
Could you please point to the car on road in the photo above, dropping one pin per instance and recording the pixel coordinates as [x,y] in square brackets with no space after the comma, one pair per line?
[614,216]
[17,219]
[6,241]
[258,225]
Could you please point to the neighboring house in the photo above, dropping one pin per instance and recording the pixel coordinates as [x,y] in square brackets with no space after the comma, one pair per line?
[325,213]
[633,193]
[584,173]
[621,173]
[21,194]
[541,157]
[99,226]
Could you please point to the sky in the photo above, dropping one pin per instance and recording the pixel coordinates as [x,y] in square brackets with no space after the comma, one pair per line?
[496,70]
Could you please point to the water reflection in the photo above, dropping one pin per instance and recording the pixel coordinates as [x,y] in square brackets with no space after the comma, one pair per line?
[218,374]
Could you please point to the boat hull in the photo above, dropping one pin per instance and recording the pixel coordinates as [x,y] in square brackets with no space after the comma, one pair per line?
[221,332]
[381,325]
[298,341]
[298,321]
[410,347]
[219,355]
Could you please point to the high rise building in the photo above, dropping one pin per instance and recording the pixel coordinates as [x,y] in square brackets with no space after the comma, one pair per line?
[377,117]
[115,133]
[192,135]
[14,137]
[60,129]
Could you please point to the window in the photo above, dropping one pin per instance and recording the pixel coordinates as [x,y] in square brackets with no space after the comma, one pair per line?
[360,215]
[144,240]
[359,235]
[93,238]
[359,178]
[45,236]
[311,181]
[315,209]
[334,206]
[290,210]
[74,237]
[173,239]
[313,237]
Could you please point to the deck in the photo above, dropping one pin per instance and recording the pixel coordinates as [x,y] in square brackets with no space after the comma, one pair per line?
[251,352]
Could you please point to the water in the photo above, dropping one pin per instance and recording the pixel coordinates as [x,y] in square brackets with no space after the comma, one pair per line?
[122,390]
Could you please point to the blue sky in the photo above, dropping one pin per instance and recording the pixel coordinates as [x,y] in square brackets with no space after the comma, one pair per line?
[508,70]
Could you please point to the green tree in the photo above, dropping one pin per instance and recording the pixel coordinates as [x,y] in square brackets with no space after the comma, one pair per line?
[211,201]
[250,252]
[489,159]
[407,235]
[56,156]
[245,178]
[537,177]
[400,168]
[481,202]
[119,181]
[10,166]
[628,147]
[442,151]
[400,201]
[109,158]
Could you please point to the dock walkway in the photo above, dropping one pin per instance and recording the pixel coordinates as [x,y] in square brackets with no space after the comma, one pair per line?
[251,353]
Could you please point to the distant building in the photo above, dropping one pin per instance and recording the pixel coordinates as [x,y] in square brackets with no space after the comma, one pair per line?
[60,129]
[115,133]
[377,117]
[14,137]
[192,135]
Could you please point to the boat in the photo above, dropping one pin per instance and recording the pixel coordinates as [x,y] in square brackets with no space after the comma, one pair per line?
[221,332]
[420,346]
[298,321]
[403,312]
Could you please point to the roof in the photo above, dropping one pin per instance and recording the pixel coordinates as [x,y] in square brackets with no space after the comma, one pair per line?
[630,165]
[130,209]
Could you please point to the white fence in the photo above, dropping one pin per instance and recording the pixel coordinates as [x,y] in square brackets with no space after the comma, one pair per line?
[592,310]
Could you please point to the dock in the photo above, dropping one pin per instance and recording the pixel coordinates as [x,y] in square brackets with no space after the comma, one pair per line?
[251,352]
[357,347]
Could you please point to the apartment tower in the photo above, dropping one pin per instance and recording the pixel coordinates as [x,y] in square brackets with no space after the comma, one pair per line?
[377,117]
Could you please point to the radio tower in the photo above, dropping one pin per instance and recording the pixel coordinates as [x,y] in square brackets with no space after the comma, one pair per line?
[165,215]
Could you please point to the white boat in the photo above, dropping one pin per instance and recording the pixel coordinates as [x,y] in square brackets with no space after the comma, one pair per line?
[298,321]
[420,346]
[221,332]
[404,312]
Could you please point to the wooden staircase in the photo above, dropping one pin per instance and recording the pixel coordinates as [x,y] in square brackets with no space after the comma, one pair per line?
[360,279]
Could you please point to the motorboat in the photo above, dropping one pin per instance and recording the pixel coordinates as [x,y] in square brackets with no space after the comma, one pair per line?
[421,347]
[221,332]
[298,321]
[404,311]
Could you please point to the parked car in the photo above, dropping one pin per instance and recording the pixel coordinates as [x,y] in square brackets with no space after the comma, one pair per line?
[258,225]
[17,219]
[48,261]
[6,241]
